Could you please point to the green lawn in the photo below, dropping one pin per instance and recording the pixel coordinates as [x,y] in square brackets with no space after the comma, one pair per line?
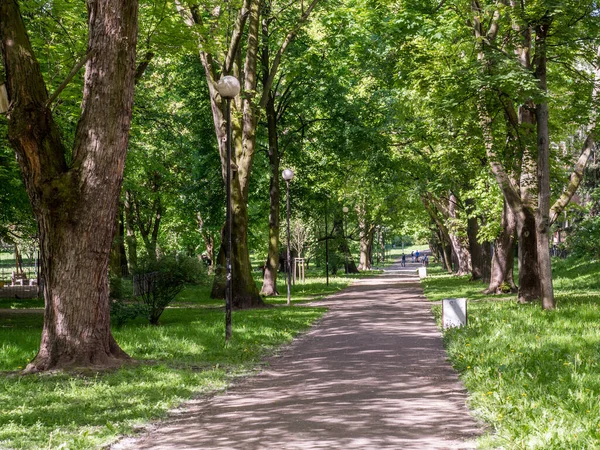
[183,357]
[533,376]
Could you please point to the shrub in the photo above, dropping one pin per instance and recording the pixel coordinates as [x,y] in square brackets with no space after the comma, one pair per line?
[158,282]
[122,312]
[585,240]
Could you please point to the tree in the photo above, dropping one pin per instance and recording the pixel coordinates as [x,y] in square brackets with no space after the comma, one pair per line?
[243,61]
[527,190]
[74,192]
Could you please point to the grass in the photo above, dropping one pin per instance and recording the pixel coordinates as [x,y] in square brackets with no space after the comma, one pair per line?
[184,357]
[533,376]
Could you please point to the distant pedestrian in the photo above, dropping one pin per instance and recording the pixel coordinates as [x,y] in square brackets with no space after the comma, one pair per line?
[425,260]
[417,255]
[412,256]
[403,260]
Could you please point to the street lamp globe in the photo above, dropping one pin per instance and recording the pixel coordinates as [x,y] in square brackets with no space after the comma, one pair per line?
[288,174]
[228,86]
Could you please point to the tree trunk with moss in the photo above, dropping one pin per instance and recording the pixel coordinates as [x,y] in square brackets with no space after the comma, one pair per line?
[75,203]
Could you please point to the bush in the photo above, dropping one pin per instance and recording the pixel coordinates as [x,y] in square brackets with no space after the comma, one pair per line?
[122,312]
[158,282]
[585,240]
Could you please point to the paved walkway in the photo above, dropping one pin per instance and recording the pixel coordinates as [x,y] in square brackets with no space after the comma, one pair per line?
[372,374]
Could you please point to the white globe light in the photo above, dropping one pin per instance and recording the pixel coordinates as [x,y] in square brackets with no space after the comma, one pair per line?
[288,174]
[228,86]
[345,209]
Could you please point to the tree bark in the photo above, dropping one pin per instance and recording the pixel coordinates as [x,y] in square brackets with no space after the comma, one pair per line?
[460,244]
[75,204]
[504,255]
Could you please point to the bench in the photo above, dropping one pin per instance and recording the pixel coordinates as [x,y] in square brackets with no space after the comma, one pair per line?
[19,279]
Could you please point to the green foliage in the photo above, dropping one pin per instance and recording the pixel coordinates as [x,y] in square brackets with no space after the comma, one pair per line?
[585,239]
[532,375]
[159,281]
[122,311]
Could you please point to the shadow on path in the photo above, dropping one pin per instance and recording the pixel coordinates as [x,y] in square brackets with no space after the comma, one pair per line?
[372,374]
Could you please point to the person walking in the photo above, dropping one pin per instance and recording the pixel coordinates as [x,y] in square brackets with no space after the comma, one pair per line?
[412,256]
[403,264]
[417,255]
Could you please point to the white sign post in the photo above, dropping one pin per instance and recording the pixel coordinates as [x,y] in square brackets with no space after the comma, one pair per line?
[422,272]
[454,312]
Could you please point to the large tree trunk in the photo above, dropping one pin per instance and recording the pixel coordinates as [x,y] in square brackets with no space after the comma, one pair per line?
[504,255]
[542,217]
[245,293]
[480,255]
[244,290]
[75,204]
[529,287]
[366,248]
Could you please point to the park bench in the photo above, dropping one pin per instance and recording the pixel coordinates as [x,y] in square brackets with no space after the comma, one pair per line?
[19,279]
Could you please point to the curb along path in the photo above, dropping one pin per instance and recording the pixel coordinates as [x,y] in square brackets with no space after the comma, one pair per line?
[372,374]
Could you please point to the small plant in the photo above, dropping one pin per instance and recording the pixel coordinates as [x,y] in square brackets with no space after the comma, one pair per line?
[505,288]
[159,281]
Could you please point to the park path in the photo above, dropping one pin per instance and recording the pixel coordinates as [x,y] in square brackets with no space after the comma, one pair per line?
[371,374]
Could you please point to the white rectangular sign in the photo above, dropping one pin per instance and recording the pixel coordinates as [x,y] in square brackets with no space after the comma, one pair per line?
[454,312]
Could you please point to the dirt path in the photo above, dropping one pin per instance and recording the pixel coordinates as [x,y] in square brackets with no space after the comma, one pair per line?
[372,374]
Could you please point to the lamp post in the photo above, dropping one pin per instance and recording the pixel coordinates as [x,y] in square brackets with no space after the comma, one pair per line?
[346,249]
[288,174]
[228,87]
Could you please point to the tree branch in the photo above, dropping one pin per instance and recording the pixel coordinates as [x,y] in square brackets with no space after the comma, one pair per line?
[277,60]
[574,180]
[236,37]
[67,80]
